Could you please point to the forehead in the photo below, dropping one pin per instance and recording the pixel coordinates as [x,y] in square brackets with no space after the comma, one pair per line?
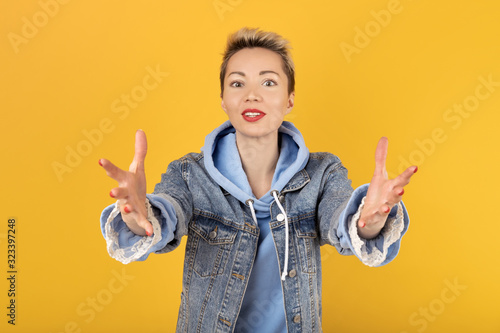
[255,60]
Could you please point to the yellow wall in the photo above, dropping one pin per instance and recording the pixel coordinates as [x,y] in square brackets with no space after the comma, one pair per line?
[415,71]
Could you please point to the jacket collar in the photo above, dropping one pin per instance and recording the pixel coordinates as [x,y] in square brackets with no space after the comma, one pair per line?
[299,180]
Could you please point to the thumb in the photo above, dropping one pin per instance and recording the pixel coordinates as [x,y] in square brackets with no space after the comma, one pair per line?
[146,225]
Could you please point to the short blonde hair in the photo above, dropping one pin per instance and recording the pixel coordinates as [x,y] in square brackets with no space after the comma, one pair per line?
[253,37]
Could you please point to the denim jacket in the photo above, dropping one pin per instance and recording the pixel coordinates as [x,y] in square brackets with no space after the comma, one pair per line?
[222,239]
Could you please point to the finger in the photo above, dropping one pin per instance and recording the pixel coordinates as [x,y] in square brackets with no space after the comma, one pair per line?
[381,155]
[119,193]
[394,196]
[404,178]
[129,205]
[112,170]
[146,225]
[141,148]
[126,208]
[385,209]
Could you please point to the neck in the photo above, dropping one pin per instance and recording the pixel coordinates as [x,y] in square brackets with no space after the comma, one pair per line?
[259,157]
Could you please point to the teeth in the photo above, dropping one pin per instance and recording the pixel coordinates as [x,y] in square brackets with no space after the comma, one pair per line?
[252,114]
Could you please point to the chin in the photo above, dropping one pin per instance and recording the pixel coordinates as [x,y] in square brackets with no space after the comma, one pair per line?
[256,129]
[256,132]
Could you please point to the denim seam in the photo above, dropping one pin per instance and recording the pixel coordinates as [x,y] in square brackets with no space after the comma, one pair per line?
[224,221]
[292,219]
[311,297]
[205,302]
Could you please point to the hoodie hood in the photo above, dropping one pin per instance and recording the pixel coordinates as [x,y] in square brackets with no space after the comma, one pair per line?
[223,163]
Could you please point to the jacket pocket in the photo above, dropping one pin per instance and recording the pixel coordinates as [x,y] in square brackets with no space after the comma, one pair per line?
[305,230]
[213,241]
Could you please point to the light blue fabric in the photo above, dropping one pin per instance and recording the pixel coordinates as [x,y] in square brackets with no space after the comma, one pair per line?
[262,309]
[378,242]
[165,215]
[229,174]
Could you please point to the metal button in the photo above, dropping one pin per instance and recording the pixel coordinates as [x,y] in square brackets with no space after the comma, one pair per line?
[280,217]
[292,273]
[212,234]
[296,319]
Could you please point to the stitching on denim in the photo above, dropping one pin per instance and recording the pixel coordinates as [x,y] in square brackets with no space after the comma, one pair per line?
[300,184]
[184,171]
[192,254]
[224,221]
[307,245]
[335,168]
[318,155]
[231,286]
[220,241]
[292,219]
[218,262]
[301,234]
[205,302]
[311,297]
[225,321]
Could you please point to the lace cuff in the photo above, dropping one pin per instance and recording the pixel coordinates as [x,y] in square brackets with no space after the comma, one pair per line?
[123,244]
[391,233]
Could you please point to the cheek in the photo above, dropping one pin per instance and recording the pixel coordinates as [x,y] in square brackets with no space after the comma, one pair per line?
[280,102]
[228,103]
[233,99]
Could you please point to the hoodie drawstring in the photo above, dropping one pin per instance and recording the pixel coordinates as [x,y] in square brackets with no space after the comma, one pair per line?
[252,210]
[249,202]
[285,267]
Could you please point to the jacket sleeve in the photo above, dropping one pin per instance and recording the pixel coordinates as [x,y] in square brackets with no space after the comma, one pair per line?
[169,209]
[339,210]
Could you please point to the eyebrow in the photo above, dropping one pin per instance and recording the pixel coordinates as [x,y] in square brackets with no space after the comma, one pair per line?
[260,73]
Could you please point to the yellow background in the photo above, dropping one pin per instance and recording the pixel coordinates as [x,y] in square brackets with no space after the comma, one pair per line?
[61,79]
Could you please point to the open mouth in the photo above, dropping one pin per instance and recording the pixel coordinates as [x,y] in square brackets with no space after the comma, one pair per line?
[252,115]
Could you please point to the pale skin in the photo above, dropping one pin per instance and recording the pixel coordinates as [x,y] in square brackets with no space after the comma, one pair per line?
[255,79]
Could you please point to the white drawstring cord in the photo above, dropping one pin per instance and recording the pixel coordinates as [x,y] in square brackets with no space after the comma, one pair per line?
[250,203]
[285,268]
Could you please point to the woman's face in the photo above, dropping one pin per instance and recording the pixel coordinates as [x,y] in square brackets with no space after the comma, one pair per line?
[255,93]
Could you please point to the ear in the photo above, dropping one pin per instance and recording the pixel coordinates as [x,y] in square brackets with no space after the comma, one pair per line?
[291,98]
[223,105]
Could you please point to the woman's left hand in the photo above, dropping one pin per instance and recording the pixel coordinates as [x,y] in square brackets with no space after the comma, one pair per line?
[383,193]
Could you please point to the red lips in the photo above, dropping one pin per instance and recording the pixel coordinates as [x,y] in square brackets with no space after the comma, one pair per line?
[252,115]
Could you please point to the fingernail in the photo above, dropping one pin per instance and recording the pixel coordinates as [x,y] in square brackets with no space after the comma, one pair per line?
[362,224]
[402,192]
[100,163]
[148,233]
[416,169]
[387,210]
[126,209]
[111,194]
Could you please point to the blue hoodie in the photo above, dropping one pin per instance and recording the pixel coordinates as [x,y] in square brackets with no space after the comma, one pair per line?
[223,163]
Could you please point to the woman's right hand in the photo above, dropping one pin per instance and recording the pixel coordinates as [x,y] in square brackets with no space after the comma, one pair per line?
[131,190]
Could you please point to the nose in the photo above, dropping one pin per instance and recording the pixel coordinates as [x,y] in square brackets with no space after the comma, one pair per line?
[253,95]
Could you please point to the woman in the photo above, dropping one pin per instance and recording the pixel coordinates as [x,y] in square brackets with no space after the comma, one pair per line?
[255,205]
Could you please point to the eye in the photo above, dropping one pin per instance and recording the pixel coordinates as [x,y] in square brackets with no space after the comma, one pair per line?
[270,83]
[236,84]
